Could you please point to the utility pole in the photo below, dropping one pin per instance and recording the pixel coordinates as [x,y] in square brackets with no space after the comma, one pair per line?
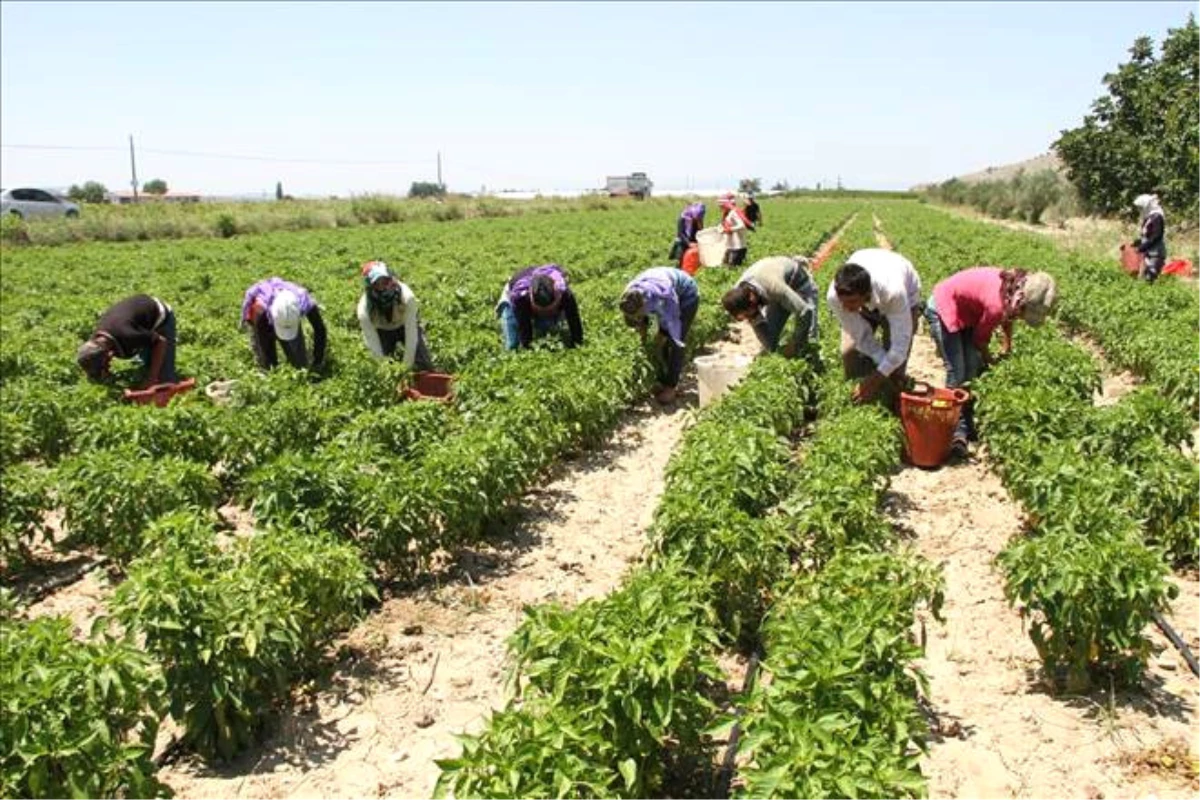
[440,169]
[133,169]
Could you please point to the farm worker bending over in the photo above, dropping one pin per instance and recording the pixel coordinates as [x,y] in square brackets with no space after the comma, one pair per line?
[387,314]
[1151,241]
[769,292]
[691,220]
[534,303]
[673,297]
[966,309]
[272,309]
[734,227]
[875,289]
[141,326]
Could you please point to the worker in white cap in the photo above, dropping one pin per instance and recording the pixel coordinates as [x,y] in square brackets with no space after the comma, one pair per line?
[272,310]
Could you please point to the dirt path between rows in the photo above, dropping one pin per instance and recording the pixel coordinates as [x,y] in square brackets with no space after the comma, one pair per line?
[997,732]
[429,665]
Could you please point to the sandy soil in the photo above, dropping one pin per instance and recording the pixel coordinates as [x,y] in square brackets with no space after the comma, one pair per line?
[432,664]
[997,730]
[1114,383]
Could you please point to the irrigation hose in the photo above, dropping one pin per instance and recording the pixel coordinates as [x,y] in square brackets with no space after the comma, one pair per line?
[1180,645]
[725,777]
[39,593]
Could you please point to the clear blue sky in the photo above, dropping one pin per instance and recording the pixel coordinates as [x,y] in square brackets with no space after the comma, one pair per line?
[548,96]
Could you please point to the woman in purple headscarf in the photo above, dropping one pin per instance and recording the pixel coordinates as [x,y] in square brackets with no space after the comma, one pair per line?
[673,297]
[534,303]
[691,220]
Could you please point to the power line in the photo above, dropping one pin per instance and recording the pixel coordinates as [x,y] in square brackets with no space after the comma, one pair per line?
[229,156]
[56,147]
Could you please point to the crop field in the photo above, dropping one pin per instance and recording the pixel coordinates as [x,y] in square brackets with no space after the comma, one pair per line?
[242,542]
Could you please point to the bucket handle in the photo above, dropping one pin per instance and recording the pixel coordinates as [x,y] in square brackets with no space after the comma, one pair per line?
[925,389]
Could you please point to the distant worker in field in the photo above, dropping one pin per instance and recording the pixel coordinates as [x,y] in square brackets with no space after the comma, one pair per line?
[672,296]
[141,327]
[387,314]
[753,213]
[1151,241]
[536,302]
[769,292]
[734,228]
[272,309]
[691,221]
[876,290]
[963,313]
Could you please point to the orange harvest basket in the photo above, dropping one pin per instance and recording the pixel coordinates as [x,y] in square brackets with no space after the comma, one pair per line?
[159,394]
[1131,259]
[431,386]
[690,263]
[929,415]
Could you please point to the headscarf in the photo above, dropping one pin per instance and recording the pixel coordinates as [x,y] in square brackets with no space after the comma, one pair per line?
[380,301]
[1147,204]
[653,293]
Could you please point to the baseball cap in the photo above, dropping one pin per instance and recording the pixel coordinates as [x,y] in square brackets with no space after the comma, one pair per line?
[285,315]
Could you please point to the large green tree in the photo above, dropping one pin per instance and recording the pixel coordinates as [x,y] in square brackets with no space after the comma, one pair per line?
[1142,136]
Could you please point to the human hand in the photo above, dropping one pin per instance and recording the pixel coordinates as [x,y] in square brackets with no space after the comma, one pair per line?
[867,388]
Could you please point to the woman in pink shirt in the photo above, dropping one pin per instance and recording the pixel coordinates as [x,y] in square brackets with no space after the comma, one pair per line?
[963,312]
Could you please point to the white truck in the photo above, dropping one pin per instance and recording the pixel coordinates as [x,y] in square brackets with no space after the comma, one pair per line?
[635,185]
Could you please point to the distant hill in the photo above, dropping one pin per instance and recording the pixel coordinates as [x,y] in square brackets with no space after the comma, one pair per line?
[1002,173]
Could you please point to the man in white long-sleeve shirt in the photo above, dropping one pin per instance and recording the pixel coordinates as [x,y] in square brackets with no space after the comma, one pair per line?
[387,314]
[875,289]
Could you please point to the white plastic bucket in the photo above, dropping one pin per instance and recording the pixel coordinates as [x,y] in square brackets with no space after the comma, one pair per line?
[717,374]
[712,247]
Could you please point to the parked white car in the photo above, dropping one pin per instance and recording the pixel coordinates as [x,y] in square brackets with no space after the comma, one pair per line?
[31,203]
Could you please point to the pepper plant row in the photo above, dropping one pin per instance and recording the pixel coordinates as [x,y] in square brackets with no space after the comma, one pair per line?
[615,695]
[395,481]
[1107,490]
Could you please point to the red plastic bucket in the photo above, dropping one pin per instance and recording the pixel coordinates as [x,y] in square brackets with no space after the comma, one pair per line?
[1131,259]
[1180,266]
[160,393]
[690,263]
[431,386]
[929,415]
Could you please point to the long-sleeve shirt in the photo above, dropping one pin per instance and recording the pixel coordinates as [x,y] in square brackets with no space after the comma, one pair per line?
[1151,241]
[131,324]
[771,279]
[403,314]
[266,336]
[895,291]
[264,292]
[666,290]
[691,220]
[519,297]
[735,230]
[754,213]
[971,299]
